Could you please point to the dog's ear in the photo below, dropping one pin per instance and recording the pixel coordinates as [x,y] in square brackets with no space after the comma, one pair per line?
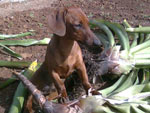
[56,22]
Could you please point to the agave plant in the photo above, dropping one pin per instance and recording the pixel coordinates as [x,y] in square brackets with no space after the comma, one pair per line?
[20,94]
[5,43]
[21,91]
[128,58]
[25,42]
[121,57]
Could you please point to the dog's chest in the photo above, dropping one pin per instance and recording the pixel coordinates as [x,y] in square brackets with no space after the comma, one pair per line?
[63,59]
[66,68]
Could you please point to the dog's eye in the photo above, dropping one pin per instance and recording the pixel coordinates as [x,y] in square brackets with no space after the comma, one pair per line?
[78,26]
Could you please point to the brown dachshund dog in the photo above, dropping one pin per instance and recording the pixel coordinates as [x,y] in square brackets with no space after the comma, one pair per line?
[64,55]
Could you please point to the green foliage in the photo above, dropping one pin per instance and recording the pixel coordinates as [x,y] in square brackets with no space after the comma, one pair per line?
[129,60]
[132,90]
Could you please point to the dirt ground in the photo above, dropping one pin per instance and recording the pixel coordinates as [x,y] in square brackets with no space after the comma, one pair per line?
[16,18]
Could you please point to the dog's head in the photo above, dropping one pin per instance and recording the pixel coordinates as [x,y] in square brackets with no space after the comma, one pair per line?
[72,23]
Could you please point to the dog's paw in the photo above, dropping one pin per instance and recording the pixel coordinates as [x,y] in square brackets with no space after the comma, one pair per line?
[63,100]
[92,91]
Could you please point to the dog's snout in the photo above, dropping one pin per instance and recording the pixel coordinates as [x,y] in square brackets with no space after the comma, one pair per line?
[96,42]
[92,39]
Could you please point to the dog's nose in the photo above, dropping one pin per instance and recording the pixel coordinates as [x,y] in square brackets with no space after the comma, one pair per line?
[97,42]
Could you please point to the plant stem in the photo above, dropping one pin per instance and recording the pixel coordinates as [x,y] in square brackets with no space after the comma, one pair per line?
[141,36]
[14,64]
[147,37]
[7,82]
[139,30]
[142,56]
[126,24]
[2,36]
[106,30]
[140,47]
[122,37]
[134,42]
[142,62]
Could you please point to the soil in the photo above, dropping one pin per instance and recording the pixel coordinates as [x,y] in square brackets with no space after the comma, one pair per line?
[22,19]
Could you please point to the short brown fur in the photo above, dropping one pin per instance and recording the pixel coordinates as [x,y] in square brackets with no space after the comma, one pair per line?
[64,55]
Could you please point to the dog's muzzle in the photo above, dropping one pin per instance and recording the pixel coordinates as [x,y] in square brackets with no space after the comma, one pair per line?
[97,42]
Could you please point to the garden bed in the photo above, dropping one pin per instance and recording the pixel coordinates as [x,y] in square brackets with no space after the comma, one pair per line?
[136,12]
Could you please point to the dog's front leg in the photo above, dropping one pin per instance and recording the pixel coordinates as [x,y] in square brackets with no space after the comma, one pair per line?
[81,70]
[59,86]
[28,105]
